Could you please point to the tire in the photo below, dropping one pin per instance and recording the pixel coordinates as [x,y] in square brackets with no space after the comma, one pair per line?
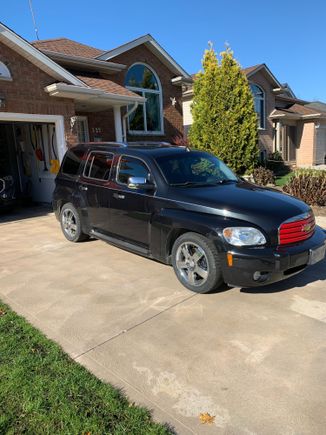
[71,224]
[196,263]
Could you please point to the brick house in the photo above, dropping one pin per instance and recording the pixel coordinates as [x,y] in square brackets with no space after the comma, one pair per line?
[55,93]
[293,127]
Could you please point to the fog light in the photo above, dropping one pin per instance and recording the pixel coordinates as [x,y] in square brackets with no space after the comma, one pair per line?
[257,276]
[260,276]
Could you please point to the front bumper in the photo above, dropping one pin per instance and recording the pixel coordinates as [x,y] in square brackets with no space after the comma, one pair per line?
[274,264]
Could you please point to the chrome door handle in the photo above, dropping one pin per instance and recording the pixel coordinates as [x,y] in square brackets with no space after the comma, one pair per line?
[118,196]
[83,188]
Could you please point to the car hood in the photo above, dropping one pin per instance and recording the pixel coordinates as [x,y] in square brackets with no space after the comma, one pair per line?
[245,201]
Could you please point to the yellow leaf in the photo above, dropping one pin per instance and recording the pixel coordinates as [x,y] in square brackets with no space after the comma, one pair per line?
[206,418]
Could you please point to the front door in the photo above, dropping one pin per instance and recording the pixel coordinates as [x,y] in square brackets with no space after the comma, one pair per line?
[289,151]
[131,209]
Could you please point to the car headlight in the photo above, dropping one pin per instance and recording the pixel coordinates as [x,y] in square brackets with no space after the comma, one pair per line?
[243,236]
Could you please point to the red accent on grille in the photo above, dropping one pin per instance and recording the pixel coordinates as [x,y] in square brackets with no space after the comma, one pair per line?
[297,231]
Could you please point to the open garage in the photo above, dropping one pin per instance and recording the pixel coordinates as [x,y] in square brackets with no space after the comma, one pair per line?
[29,159]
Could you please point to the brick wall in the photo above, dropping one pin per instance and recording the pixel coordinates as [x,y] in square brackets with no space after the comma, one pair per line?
[265,135]
[306,143]
[25,93]
[173,124]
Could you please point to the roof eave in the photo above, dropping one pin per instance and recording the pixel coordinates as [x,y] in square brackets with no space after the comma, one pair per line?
[39,59]
[97,64]
[268,71]
[78,93]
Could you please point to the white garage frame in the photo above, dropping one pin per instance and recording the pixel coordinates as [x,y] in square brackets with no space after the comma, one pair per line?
[57,120]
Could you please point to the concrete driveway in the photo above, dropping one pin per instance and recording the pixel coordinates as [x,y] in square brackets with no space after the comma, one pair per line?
[253,358]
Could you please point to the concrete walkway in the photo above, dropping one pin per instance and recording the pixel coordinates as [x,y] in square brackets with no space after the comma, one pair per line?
[253,358]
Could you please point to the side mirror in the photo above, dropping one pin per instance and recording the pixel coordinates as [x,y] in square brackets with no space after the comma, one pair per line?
[140,183]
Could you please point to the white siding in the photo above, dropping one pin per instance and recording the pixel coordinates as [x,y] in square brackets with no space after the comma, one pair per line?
[187,117]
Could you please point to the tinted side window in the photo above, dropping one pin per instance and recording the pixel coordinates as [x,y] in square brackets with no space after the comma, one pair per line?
[99,166]
[131,167]
[72,162]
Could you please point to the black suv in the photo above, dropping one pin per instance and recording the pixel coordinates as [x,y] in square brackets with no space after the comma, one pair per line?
[188,209]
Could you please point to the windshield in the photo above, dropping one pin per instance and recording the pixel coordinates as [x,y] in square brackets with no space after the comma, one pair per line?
[194,169]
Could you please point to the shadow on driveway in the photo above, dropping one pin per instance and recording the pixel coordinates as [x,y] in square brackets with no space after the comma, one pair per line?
[24,212]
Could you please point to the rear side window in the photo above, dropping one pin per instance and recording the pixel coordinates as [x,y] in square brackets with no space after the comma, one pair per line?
[131,167]
[72,162]
[99,166]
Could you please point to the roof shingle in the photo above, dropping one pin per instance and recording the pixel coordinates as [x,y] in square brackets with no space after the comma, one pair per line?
[67,46]
[107,86]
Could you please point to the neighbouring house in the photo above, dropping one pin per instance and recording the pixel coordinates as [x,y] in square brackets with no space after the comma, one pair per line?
[57,92]
[293,127]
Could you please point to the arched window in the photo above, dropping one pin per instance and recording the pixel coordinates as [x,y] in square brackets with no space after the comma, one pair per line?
[147,118]
[259,100]
[4,72]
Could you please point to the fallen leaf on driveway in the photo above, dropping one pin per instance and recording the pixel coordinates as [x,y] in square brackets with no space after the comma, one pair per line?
[206,418]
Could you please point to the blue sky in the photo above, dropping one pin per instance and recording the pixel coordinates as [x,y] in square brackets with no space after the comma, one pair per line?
[288,35]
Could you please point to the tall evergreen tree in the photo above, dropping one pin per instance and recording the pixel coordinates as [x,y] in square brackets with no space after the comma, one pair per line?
[224,118]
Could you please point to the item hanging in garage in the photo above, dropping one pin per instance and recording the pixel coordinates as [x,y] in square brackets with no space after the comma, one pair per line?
[39,152]
[45,168]
[54,162]
[7,188]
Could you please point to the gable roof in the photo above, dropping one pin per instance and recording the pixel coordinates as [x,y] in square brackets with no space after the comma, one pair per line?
[32,54]
[67,46]
[153,46]
[298,111]
[250,71]
[317,105]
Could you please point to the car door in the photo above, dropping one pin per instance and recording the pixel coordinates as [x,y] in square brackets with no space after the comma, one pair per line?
[95,186]
[130,209]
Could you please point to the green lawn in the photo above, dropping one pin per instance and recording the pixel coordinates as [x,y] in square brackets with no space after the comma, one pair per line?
[283,179]
[43,391]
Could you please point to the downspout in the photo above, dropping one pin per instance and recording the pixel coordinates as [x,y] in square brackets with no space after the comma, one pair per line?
[124,122]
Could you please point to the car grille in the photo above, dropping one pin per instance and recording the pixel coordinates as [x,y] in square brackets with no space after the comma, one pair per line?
[297,229]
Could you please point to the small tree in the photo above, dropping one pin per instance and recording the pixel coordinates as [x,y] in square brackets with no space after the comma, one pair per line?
[224,118]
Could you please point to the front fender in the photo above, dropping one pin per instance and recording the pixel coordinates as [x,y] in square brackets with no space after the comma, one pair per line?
[169,224]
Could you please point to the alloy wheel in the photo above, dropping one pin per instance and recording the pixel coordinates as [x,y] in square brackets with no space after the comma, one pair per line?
[69,222]
[192,263]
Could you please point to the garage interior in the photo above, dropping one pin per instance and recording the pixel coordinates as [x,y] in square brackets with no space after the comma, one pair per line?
[29,162]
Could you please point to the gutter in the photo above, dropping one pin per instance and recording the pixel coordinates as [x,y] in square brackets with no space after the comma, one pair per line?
[93,64]
[56,88]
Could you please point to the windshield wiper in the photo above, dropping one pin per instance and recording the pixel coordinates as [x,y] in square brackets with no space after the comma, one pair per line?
[202,183]
[188,183]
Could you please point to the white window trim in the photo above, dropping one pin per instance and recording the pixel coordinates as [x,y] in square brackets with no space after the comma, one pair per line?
[83,119]
[5,74]
[158,92]
[264,105]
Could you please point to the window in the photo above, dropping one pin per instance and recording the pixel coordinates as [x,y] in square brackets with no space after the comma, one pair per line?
[99,166]
[131,167]
[72,162]
[195,168]
[4,72]
[259,101]
[147,118]
[82,128]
